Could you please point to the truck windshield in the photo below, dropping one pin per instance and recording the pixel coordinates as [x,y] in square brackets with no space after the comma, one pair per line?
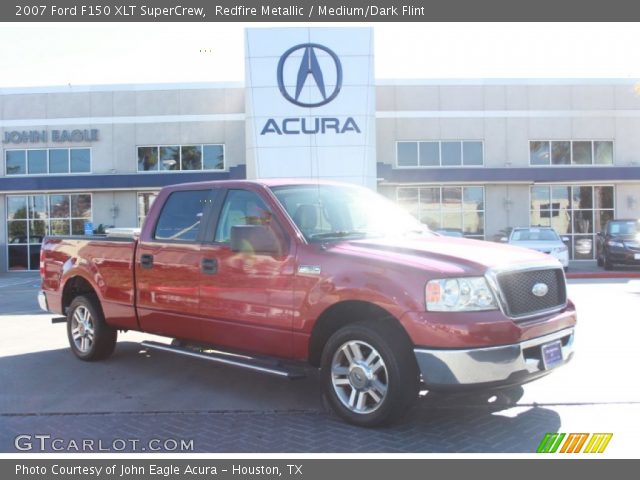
[326,212]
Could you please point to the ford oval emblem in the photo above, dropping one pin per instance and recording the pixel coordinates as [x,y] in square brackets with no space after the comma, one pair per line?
[540,289]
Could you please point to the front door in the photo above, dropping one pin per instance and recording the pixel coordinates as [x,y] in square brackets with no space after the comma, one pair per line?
[246,299]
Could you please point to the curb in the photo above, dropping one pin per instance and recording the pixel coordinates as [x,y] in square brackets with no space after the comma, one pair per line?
[601,274]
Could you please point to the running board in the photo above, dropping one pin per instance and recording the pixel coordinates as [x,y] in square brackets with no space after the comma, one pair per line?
[233,359]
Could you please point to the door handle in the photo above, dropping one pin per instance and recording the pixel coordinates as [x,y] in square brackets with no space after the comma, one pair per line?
[209,266]
[146,260]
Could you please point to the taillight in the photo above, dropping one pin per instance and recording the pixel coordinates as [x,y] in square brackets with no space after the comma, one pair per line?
[42,262]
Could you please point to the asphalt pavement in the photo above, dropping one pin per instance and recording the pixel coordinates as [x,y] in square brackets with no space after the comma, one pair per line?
[138,396]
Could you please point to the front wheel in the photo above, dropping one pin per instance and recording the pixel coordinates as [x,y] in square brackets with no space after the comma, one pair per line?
[369,374]
[89,335]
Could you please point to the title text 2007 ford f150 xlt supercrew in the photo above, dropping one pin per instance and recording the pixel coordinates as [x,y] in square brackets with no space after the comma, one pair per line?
[329,274]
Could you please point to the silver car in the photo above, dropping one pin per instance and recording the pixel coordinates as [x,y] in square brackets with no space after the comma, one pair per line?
[542,239]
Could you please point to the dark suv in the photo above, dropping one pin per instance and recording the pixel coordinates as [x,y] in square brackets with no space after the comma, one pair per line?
[619,243]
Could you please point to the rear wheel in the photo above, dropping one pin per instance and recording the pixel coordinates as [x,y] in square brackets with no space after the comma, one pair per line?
[89,336]
[369,374]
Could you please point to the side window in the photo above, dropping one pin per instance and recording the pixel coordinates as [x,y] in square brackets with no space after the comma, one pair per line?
[241,207]
[181,216]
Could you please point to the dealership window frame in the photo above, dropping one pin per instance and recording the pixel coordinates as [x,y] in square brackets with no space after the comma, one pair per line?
[33,249]
[442,211]
[47,161]
[440,143]
[571,152]
[154,194]
[572,234]
[180,148]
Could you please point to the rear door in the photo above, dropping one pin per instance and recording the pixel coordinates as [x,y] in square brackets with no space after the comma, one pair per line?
[246,299]
[168,265]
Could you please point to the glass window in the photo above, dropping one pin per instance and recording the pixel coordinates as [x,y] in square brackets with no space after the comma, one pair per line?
[213,157]
[80,160]
[582,153]
[16,162]
[147,159]
[38,207]
[451,153]
[473,198]
[18,257]
[191,157]
[410,200]
[37,231]
[583,197]
[242,207]
[430,197]
[59,160]
[540,198]
[37,161]
[16,207]
[603,197]
[560,197]
[407,154]
[603,152]
[429,154]
[181,215]
[561,153]
[81,206]
[170,158]
[17,231]
[578,215]
[29,222]
[539,153]
[59,206]
[452,196]
[472,153]
[145,200]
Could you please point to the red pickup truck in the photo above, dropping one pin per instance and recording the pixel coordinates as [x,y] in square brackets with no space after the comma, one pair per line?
[273,274]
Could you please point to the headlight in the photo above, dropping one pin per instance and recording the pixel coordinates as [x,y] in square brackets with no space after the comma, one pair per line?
[559,249]
[459,295]
[613,243]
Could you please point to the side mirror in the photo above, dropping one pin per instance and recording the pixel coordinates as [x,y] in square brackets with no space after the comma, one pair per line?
[565,239]
[504,239]
[254,239]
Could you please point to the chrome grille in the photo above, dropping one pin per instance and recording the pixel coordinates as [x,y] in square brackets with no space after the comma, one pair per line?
[516,287]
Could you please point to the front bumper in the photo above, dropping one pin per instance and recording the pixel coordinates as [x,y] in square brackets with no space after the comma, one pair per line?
[42,301]
[490,366]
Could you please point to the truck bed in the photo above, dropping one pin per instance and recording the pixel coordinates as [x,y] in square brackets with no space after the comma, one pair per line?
[106,262]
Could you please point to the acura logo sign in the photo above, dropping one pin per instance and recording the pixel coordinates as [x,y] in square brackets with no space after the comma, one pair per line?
[324,77]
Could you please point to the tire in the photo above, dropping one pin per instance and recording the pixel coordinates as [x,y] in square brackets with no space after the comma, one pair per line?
[369,374]
[90,338]
[608,264]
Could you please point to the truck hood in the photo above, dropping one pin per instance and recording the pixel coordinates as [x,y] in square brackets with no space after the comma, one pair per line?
[446,255]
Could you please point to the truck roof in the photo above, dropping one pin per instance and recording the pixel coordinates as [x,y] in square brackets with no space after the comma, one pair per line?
[267,182]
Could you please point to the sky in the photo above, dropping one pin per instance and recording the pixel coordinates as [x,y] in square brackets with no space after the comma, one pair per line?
[129,53]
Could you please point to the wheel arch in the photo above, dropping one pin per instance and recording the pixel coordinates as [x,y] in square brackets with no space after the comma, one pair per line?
[74,287]
[344,313]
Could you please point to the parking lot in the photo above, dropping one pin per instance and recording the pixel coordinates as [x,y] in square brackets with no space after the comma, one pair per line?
[138,396]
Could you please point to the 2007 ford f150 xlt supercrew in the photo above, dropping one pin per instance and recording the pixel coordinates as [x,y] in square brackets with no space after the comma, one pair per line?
[329,274]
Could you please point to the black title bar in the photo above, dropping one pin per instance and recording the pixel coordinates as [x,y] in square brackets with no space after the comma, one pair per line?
[301,11]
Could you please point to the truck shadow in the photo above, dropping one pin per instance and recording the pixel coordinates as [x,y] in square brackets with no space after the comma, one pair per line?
[146,394]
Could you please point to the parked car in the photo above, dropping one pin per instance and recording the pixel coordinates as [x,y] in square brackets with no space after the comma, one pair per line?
[619,243]
[542,239]
[276,276]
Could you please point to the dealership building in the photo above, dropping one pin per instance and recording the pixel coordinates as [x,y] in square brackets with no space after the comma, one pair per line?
[472,156]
